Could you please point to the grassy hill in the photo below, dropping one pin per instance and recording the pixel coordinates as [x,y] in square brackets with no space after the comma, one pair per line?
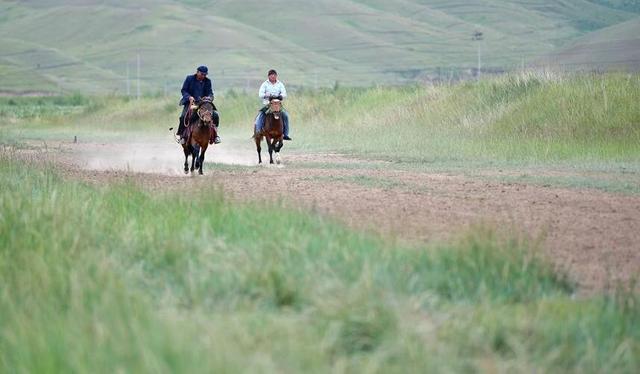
[616,47]
[92,46]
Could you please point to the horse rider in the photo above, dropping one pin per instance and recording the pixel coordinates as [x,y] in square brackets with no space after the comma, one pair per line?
[194,88]
[272,88]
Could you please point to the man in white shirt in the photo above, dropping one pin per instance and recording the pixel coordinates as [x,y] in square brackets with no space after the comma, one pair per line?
[272,88]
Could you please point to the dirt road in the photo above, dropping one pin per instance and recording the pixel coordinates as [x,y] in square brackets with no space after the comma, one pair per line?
[593,235]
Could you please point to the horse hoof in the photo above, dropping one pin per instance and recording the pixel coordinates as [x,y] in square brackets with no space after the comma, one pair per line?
[186,171]
[278,158]
[200,172]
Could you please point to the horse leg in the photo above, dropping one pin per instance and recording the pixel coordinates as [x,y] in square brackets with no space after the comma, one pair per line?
[194,156]
[258,140]
[186,158]
[278,147]
[201,159]
[270,144]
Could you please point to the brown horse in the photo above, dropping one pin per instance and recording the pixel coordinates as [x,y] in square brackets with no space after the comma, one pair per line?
[200,130]
[271,131]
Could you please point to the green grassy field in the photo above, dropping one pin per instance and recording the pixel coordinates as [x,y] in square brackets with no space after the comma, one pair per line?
[585,125]
[92,47]
[116,278]
[519,118]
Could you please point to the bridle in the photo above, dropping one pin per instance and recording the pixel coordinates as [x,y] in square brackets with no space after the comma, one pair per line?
[276,114]
[202,113]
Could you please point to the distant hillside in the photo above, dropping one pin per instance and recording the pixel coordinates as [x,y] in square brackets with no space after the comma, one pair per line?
[613,48]
[626,5]
[92,46]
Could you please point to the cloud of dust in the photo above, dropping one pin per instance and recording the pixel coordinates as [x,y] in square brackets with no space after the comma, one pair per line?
[162,156]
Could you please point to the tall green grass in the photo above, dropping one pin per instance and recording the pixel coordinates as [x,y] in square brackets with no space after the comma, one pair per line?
[528,117]
[117,279]
[40,107]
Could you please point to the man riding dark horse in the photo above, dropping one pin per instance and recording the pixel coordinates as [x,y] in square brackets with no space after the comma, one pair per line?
[194,88]
[199,133]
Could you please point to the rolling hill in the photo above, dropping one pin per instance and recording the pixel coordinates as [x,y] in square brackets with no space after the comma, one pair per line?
[616,47]
[92,46]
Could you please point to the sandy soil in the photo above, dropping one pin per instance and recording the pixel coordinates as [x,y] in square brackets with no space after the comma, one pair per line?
[593,235]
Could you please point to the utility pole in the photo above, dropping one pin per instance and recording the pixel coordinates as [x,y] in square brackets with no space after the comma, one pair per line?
[128,82]
[478,37]
[138,93]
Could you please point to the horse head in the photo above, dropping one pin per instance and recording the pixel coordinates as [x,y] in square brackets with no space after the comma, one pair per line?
[205,110]
[275,106]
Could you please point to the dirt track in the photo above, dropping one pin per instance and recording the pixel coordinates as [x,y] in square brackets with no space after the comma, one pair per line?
[594,235]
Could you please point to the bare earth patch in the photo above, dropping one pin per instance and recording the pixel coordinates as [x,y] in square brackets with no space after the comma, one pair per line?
[593,235]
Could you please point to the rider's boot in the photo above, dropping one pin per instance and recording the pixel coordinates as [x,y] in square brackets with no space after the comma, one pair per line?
[180,132]
[286,126]
[216,123]
[214,139]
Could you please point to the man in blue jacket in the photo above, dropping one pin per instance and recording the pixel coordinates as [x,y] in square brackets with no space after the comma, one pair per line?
[194,88]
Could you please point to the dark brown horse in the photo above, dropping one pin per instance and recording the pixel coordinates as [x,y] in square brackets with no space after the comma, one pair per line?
[271,131]
[200,130]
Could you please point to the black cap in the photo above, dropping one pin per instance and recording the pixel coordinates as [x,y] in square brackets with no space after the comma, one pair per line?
[203,69]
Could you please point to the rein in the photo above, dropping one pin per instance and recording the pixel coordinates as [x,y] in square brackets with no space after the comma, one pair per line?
[187,117]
